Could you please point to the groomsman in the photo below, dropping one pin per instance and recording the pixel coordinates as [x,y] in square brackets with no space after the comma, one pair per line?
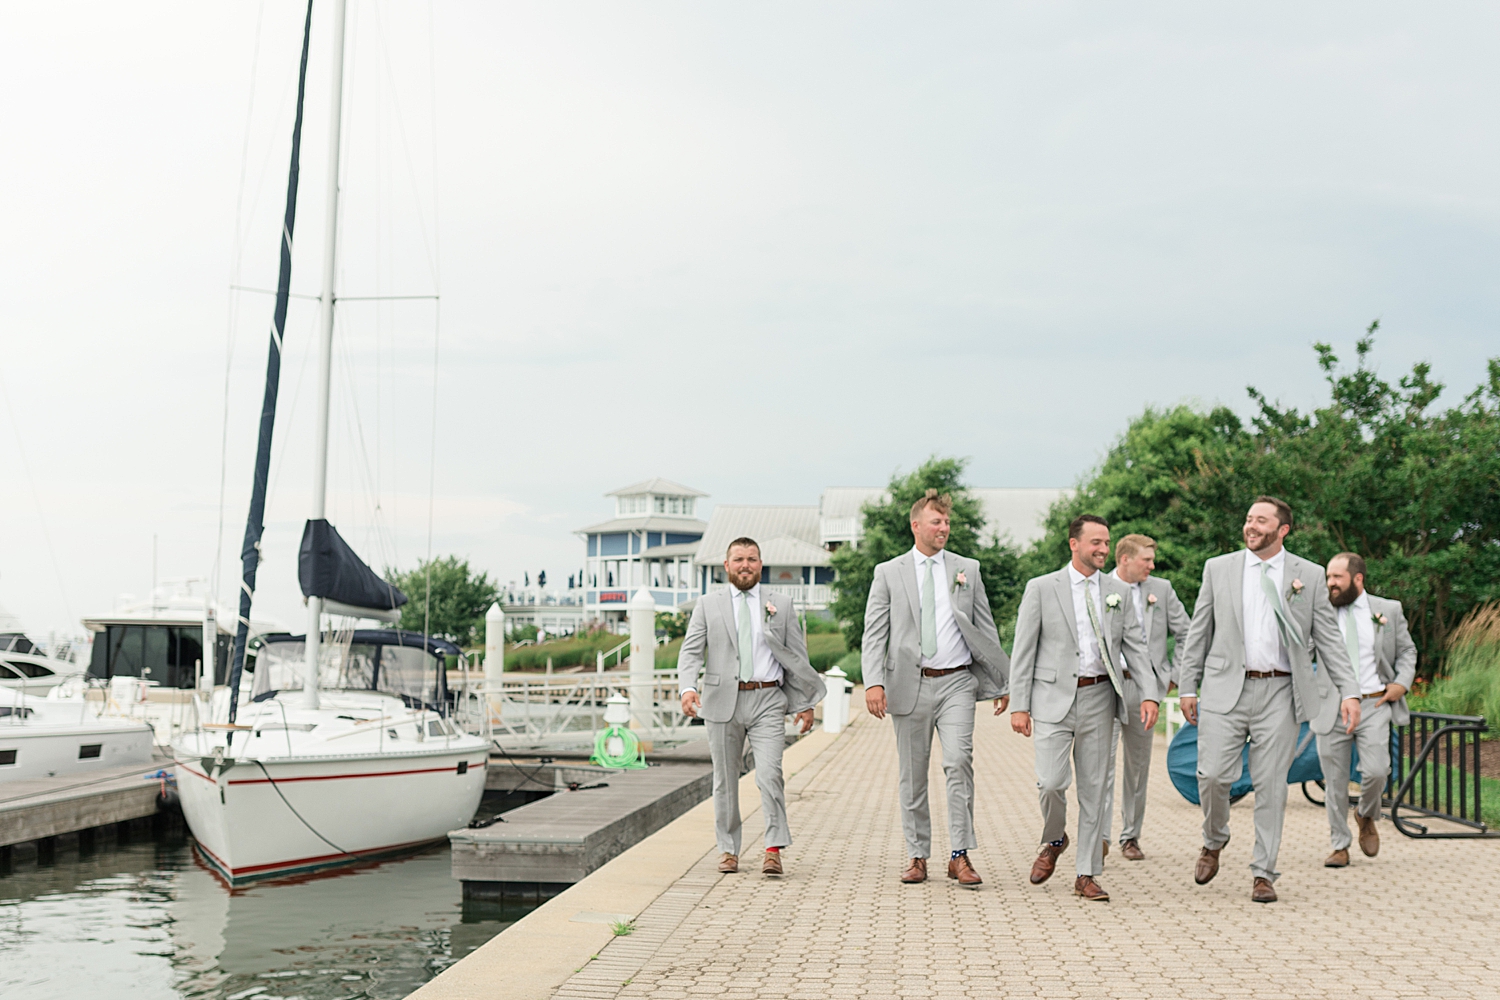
[1078,643]
[1385,660]
[930,651]
[1263,616]
[746,647]
[1159,612]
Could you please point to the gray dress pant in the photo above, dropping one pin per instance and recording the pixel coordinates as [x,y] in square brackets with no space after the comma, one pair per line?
[1133,743]
[1373,737]
[1085,733]
[759,715]
[1265,716]
[945,705]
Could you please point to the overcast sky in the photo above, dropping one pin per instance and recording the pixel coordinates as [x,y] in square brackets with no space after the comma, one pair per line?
[758,249]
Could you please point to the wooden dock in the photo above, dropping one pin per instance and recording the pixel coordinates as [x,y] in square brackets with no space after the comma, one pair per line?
[559,840]
[40,809]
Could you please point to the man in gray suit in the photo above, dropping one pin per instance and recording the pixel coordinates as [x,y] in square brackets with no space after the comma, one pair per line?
[1385,660]
[1078,643]
[1160,612]
[930,651]
[1263,616]
[748,647]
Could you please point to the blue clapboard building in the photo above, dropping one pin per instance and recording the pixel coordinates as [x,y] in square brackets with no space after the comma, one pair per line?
[650,542]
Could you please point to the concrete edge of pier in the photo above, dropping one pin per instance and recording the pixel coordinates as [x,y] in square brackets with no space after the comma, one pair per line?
[534,956]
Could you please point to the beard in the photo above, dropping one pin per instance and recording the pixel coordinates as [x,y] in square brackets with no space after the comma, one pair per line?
[1344,596]
[744,582]
[1256,540]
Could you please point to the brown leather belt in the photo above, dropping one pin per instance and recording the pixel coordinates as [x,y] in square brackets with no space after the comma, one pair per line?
[757,685]
[1084,682]
[929,672]
[1262,674]
[1374,694]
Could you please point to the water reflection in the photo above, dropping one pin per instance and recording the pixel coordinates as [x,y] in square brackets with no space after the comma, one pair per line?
[148,920]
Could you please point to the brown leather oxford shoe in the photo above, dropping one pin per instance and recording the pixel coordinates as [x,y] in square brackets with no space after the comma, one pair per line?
[1338,859]
[729,864]
[1132,851]
[1086,887]
[772,864]
[1046,862]
[1207,866]
[915,872]
[961,869]
[1369,836]
[1262,892]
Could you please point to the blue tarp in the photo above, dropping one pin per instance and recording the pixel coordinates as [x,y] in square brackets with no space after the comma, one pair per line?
[1182,763]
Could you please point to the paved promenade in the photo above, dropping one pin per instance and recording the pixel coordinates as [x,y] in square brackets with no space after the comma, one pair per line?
[1422,919]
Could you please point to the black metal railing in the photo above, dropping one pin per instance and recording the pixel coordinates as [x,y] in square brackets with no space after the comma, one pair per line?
[1435,774]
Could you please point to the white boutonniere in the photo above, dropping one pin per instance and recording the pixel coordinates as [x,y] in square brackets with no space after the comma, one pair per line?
[1296,591]
[770,611]
[960,582]
[1112,602]
[1379,619]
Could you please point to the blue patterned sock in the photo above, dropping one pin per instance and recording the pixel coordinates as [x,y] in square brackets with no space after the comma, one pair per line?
[958,854]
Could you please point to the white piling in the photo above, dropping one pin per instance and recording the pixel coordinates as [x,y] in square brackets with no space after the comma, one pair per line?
[836,702]
[494,652]
[642,658]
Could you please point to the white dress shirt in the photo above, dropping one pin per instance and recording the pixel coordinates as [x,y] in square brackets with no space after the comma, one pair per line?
[764,665]
[952,651]
[1090,659]
[1264,649]
[1364,627]
[1138,595]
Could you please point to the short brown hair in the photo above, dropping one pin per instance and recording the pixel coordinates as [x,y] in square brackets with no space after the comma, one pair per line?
[943,503]
[748,543]
[1075,526]
[1354,562]
[1283,509]
[1128,546]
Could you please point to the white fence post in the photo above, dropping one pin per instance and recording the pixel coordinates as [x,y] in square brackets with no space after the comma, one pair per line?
[642,658]
[836,702]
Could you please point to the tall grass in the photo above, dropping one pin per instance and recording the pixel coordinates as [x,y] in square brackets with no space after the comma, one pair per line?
[575,650]
[1471,685]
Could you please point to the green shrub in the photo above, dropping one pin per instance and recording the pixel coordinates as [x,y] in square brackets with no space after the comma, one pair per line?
[824,649]
[576,650]
[1471,684]
[817,625]
[849,664]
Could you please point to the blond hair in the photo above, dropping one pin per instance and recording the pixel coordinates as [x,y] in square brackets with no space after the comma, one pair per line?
[1131,545]
[942,504]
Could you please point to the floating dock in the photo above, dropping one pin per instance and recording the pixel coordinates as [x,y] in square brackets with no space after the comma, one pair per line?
[43,808]
[559,840]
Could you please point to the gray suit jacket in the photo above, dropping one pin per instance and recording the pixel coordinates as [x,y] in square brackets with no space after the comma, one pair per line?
[1214,653]
[892,645]
[1044,664]
[1395,653]
[1166,615]
[711,648]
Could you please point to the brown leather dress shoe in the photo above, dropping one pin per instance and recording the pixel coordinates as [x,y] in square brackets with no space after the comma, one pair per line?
[729,864]
[915,872]
[1338,859]
[772,864]
[1207,866]
[1046,861]
[1369,836]
[1132,851]
[1086,887]
[1263,893]
[960,868]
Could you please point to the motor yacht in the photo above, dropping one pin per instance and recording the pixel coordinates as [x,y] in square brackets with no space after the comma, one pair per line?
[42,738]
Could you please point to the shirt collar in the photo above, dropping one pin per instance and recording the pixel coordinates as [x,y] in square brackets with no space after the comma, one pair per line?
[1075,577]
[1360,603]
[753,592]
[1116,574]
[919,558]
[1275,562]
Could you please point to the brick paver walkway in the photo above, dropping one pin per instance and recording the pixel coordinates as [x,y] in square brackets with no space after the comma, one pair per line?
[1422,919]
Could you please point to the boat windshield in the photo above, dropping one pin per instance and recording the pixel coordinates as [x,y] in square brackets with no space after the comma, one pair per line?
[410,673]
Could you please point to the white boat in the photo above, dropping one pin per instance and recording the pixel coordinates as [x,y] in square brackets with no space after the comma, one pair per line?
[46,739]
[25,666]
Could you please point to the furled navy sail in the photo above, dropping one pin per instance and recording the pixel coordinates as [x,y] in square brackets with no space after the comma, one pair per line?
[328,568]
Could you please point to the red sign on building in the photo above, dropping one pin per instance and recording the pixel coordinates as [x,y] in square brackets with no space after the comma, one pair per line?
[612,597]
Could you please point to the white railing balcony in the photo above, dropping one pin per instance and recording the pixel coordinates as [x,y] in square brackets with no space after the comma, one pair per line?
[804,595]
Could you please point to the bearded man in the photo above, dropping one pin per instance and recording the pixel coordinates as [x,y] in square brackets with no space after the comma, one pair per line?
[1263,616]
[1385,659]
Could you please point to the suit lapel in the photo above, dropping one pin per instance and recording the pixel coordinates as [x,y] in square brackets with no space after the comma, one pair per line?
[906,573]
[1063,588]
[1236,570]
[726,613]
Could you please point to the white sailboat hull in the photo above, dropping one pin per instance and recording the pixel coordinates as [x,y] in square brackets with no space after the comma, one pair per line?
[282,816]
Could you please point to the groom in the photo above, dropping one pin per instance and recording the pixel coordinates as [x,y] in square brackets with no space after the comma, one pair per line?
[930,651]
[1263,616]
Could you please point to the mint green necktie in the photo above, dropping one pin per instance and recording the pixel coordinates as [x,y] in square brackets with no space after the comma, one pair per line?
[747,639]
[1288,633]
[929,612]
[1351,638]
[1088,602]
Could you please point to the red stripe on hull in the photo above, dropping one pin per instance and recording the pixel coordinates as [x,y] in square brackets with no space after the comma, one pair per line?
[338,777]
[274,867]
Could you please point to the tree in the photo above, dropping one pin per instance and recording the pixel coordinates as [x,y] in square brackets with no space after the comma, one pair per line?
[887,533]
[459,599]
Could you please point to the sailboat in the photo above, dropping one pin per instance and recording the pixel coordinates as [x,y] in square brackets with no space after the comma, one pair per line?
[352,757]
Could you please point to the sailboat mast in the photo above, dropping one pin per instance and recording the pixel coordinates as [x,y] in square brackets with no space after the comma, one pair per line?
[325,343]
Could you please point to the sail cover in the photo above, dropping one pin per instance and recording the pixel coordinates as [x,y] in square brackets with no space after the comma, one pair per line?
[328,568]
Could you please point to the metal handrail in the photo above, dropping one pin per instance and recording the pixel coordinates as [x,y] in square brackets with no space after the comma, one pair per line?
[1414,766]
